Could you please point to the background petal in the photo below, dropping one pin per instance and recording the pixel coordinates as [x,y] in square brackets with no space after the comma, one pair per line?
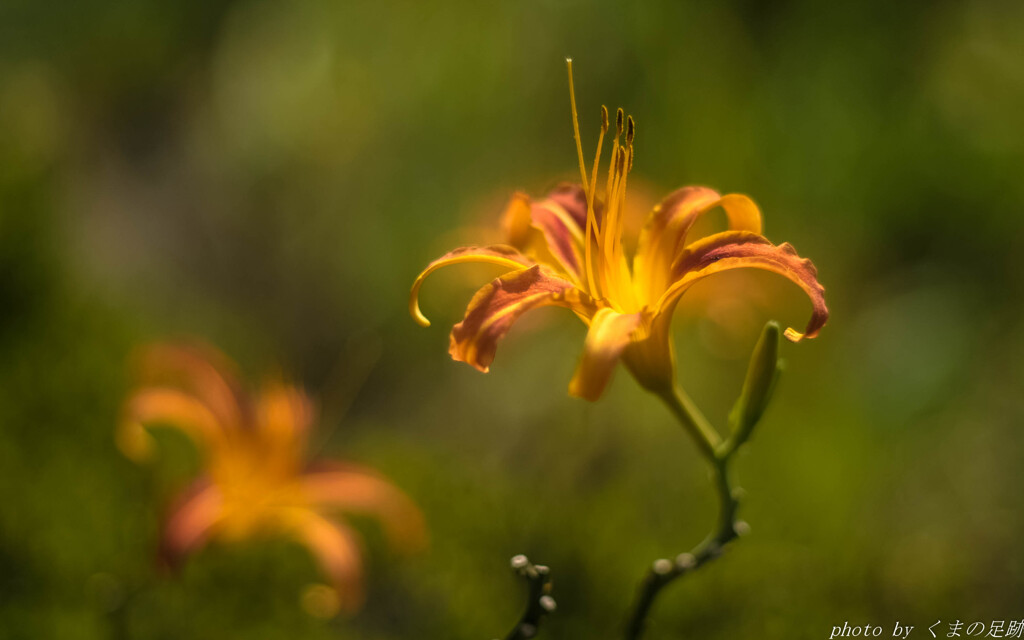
[198,369]
[168,408]
[363,491]
[191,521]
[337,551]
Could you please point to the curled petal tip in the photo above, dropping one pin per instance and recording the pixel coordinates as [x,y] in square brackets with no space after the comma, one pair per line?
[324,602]
[577,390]
[501,255]
[414,306]
[461,353]
[134,443]
[795,336]
[458,357]
[418,316]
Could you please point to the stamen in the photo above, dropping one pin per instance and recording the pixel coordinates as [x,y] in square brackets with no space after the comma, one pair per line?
[609,185]
[607,231]
[611,238]
[615,152]
[620,259]
[614,244]
[617,280]
[597,157]
[576,126]
[627,159]
[610,232]
[591,215]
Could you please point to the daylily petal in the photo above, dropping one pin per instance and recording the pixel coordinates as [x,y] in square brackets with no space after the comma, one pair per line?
[283,418]
[654,243]
[664,236]
[651,358]
[573,200]
[610,333]
[501,255]
[191,521]
[337,551]
[740,249]
[516,220]
[168,407]
[562,233]
[361,491]
[200,370]
[550,231]
[496,307]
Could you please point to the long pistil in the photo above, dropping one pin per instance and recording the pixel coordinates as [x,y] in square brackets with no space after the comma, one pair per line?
[576,125]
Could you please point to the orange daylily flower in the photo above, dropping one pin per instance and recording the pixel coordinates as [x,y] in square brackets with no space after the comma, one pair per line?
[257,481]
[566,250]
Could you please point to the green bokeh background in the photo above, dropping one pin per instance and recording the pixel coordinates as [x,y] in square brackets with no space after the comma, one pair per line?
[271,176]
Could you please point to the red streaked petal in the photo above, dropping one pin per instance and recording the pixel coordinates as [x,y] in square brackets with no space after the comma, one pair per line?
[362,491]
[501,255]
[496,307]
[737,250]
[564,239]
[664,236]
[573,200]
[660,235]
[610,333]
[550,231]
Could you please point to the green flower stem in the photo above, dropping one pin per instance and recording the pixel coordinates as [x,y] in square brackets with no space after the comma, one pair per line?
[718,455]
[703,434]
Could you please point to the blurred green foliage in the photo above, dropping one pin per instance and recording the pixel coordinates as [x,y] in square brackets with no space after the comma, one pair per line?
[271,176]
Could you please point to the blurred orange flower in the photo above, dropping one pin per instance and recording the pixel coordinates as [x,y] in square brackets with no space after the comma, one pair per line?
[257,481]
[566,250]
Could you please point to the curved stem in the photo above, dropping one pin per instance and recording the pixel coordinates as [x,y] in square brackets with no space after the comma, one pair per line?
[538,602]
[664,571]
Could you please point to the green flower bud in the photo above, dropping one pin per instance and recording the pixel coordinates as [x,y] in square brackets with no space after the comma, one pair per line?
[762,374]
